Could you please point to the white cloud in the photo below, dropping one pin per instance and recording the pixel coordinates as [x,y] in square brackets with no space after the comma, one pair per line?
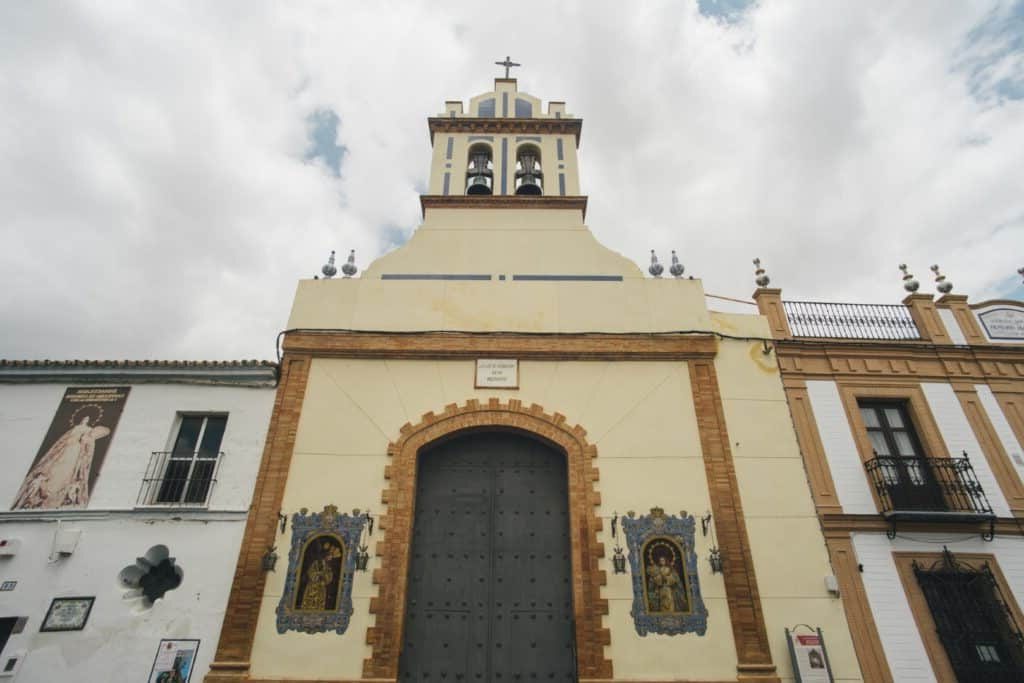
[155,199]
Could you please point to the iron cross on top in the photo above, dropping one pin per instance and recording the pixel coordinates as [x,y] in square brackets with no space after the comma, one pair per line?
[507,64]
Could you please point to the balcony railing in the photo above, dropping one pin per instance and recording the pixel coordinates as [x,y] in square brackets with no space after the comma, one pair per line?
[179,479]
[850,321]
[928,489]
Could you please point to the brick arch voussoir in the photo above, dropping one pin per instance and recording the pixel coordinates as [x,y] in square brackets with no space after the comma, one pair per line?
[385,635]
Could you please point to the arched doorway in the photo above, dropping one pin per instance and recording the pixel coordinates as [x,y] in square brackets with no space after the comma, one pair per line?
[489,593]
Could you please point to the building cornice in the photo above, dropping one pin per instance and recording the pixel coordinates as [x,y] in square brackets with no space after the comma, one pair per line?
[246,373]
[897,361]
[504,126]
[511,201]
[143,514]
[462,345]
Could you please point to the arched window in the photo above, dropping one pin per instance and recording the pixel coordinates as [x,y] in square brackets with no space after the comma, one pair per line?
[529,176]
[480,171]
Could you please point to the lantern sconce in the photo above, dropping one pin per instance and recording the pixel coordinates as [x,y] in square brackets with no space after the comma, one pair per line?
[715,555]
[715,559]
[619,561]
[283,519]
[362,558]
[269,559]
[705,523]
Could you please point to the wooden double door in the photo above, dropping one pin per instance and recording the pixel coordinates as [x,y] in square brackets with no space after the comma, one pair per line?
[489,586]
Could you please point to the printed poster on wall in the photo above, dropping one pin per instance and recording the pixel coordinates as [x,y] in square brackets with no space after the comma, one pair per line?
[810,663]
[174,661]
[69,460]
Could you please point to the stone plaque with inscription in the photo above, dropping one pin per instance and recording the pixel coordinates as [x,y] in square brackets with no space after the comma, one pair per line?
[497,373]
[1003,323]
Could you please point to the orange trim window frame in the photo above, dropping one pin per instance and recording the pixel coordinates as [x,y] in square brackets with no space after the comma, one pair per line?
[922,422]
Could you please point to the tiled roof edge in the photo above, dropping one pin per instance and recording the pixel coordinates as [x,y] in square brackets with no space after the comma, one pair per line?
[5,363]
[251,373]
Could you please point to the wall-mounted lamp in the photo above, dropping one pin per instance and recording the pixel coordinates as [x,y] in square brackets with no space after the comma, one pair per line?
[369,523]
[362,558]
[269,559]
[715,559]
[766,348]
[705,523]
[283,519]
[619,561]
[615,524]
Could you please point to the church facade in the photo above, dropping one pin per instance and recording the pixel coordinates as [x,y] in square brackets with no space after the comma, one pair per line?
[503,452]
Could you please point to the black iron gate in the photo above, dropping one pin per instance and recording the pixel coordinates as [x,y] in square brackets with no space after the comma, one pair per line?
[489,595]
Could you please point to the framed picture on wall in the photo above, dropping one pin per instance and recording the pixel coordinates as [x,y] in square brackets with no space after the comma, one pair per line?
[67,614]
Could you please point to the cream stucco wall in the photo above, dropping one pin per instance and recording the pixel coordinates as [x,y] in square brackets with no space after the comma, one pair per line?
[790,558]
[496,244]
[641,417]
[353,408]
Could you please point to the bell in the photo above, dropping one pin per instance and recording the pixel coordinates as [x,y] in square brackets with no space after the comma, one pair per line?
[478,184]
[529,177]
[529,185]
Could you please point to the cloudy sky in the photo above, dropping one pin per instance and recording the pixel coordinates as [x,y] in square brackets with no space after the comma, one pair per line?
[169,170]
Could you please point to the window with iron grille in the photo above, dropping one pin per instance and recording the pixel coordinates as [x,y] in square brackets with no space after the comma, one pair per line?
[974,622]
[185,475]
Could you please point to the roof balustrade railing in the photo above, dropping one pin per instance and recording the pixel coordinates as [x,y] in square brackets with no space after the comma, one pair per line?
[850,321]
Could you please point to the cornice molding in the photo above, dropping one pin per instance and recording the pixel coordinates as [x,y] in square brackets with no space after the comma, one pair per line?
[504,126]
[462,345]
[886,362]
[842,524]
[220,373]
[502,201]
[996,302]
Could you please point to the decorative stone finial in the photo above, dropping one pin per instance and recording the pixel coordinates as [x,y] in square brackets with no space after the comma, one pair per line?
[941,283]
[760,276]
[676,268]
[909,283]
[329,270]
[349,267]
[656,269]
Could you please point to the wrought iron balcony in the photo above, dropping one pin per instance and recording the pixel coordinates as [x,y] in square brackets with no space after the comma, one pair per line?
[179,479]
[850,321]
[928,489]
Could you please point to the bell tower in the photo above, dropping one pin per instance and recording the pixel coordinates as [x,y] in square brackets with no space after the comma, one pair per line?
[505,144]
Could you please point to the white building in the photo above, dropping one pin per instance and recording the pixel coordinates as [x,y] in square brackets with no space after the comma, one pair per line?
[126,487]
[911,424]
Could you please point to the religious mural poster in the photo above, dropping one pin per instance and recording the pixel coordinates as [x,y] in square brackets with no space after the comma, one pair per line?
[810,663]
[174,660]
[69,460]
[666,589]
[317,594]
